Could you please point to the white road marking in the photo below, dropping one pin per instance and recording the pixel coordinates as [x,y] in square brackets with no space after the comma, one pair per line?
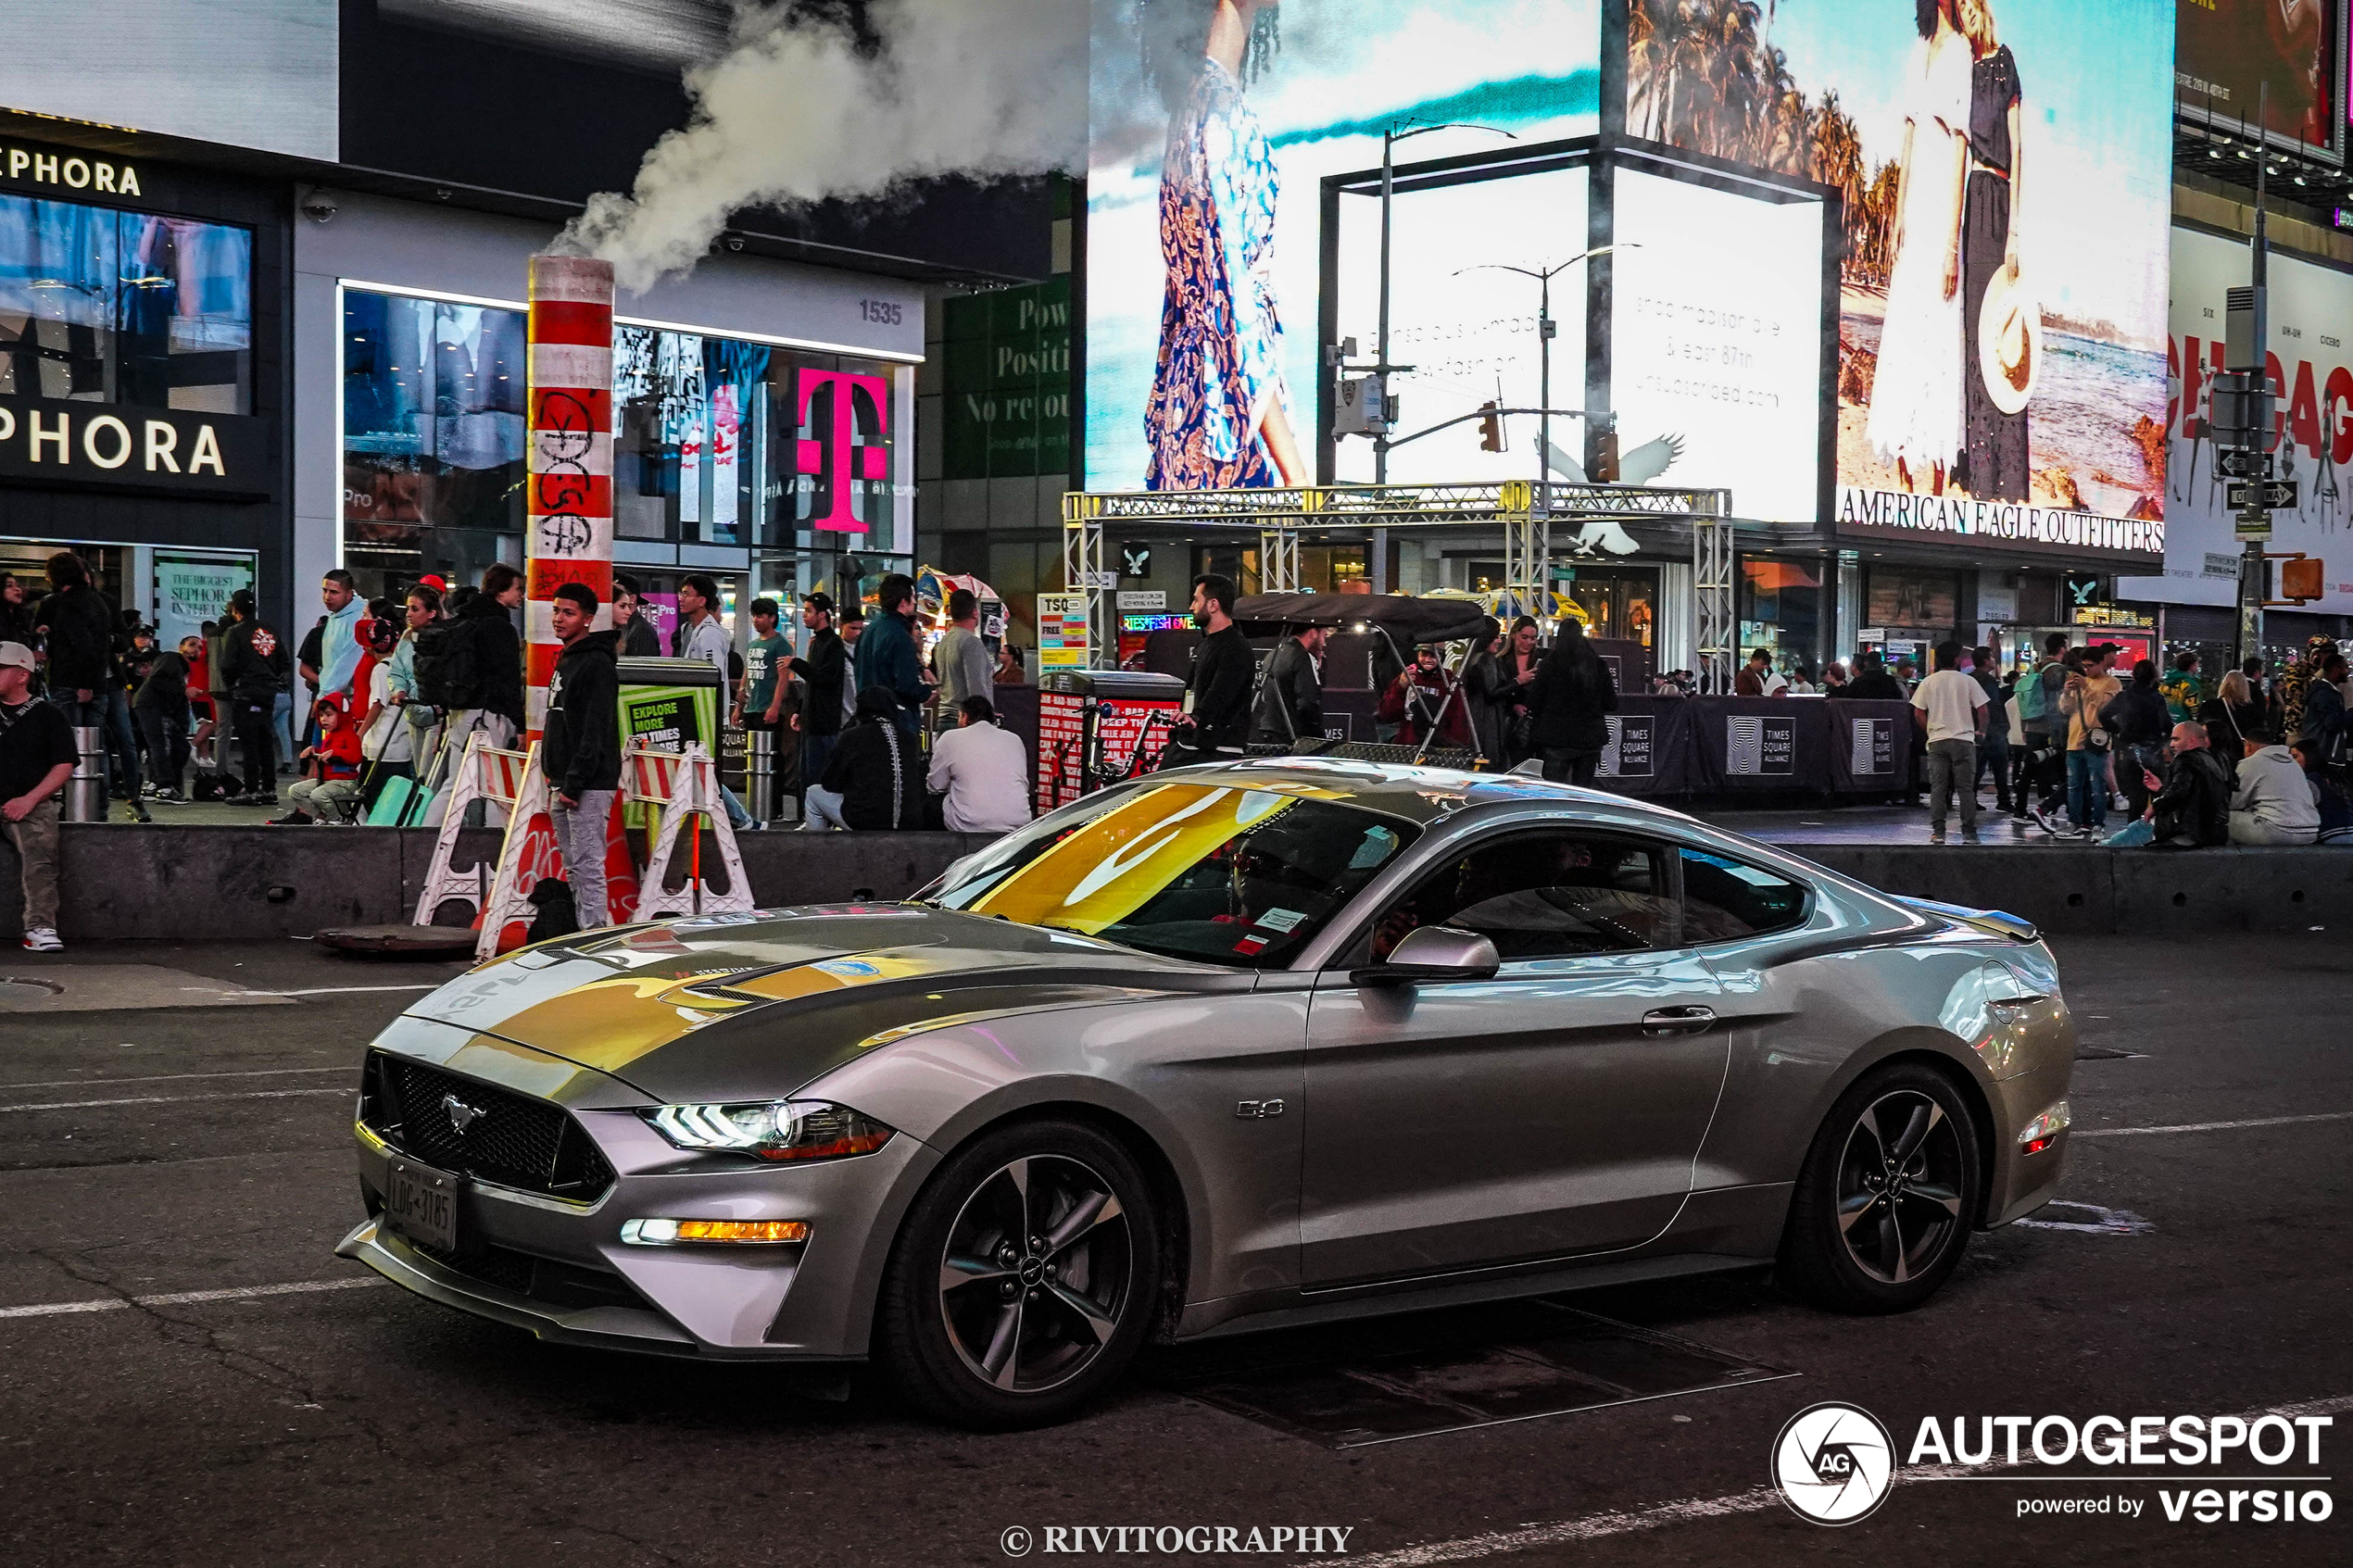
[1684,1510]
[2103,1222]
[320,990]
[2210,1126]
[174,1100]
[186,1298]
[167,1078]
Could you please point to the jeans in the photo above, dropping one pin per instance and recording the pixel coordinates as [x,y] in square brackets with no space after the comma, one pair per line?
[251,722]
[815,752]
[2087,787]
[1993,755]
[281,722]
[579,839]
[1564,766]
[2248,828]
[36,842]
[823,811]
[1952,770]
[166,734]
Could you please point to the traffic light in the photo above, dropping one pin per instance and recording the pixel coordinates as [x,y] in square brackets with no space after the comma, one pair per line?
[2303,579]
[1490,427]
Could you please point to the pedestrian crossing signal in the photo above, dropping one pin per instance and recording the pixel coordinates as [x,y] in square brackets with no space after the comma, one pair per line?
[1490,427]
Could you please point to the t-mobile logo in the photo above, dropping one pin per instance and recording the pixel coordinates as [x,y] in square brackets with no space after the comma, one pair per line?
[855,405]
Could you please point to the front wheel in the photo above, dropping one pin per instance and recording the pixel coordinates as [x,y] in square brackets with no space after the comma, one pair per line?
[1024,1280]
[1888,1194]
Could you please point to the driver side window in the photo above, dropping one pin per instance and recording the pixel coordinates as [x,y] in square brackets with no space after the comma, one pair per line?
[1556,893]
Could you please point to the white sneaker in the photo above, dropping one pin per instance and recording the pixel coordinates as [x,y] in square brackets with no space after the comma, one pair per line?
[44,939]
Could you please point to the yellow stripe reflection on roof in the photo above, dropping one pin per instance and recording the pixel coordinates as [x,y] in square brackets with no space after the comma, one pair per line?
[1111,868]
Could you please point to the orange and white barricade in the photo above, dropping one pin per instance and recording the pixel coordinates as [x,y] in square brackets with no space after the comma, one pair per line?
[503,910]
[685,786]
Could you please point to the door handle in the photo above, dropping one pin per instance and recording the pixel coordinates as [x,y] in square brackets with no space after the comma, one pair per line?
[1678,1021]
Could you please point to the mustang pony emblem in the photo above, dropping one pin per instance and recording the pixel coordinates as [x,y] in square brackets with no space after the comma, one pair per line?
[461,1115]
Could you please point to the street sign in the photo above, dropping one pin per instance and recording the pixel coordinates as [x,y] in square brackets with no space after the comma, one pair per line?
[2254,524]
[2271,494]
[2244,465]
[1097,580]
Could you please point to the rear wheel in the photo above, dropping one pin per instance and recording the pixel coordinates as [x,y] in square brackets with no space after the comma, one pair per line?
[1888,1194]
[1023,1278]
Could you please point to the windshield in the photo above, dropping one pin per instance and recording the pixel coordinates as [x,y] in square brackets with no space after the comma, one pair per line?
[1189,871]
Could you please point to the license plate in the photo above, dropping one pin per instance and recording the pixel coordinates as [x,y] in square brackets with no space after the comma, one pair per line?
[421,1203]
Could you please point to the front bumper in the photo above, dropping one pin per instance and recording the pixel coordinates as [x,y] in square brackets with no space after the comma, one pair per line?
[561,1270]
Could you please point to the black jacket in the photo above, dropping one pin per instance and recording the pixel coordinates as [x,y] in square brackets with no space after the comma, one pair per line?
[1224,671]
[80,635]
[1488,688]
[874,761]
[580,742]
[2138,716]
[2194,804]
[497,656]
[1291,699]
[1876,687]
[254,663]
[1574,697]
[824,668]
[166,689]
[641,640]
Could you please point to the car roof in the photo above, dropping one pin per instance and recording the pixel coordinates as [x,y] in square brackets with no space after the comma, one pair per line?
[1426,795]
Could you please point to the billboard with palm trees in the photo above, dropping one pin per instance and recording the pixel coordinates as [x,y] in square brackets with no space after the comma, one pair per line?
[2005,169]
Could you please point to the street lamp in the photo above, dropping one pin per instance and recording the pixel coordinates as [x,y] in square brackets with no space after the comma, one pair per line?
[1401,131]
[1544,355]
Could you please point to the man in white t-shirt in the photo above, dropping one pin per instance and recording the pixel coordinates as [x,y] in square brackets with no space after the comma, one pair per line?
[983,769]
[1951,707]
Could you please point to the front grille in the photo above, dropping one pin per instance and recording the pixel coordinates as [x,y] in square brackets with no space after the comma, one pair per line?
[513,1140]
[569,1286]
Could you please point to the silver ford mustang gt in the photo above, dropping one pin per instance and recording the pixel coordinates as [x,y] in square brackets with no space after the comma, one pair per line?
[1233,1048]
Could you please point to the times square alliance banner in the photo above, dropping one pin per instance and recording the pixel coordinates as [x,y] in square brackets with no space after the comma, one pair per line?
[2014,148]
[1204,243]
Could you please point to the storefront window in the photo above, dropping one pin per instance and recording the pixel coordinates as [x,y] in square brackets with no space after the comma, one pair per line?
[103,306]
[1781,610]
[1617,601]
[717,440]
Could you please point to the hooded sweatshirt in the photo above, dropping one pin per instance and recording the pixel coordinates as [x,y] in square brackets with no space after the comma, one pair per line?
[874,766]
[580,745]
[2273,790]
[339,650]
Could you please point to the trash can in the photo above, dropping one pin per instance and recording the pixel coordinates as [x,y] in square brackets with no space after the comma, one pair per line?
[760,775]
[86,791]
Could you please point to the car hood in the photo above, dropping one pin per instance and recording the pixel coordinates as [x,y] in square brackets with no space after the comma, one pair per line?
[752,1007]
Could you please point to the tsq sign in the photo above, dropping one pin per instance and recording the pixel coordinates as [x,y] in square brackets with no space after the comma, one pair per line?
[163,449]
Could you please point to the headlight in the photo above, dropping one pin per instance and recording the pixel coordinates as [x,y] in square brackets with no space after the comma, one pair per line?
[775,1130]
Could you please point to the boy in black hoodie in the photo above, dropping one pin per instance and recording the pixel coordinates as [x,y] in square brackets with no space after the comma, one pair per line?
[580,746]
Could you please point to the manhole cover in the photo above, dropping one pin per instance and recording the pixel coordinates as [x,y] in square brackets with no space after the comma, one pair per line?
[19,993]
[1355,1384]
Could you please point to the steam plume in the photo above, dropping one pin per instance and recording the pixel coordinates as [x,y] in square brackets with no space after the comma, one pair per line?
[793,114]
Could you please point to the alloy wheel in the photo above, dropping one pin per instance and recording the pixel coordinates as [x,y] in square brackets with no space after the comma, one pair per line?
[1900,1180]
[1036,1274]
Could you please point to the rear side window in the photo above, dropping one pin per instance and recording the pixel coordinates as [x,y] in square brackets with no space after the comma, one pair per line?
[1726,900]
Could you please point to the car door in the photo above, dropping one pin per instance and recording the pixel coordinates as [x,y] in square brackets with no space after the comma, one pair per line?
[1553,1109]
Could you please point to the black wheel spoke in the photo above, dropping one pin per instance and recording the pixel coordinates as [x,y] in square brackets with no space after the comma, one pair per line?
[1037,1276]
[957,1271]
[1944,1197]
[1852,1208]
[1900,1186]
[1002,1361]
[1097,1323]
[1095,1209]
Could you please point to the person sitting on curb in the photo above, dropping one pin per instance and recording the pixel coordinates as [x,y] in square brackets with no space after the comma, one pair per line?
[335,768]
[2274,802]
[2190,807]
[983,769]
[37,755]
[873,781]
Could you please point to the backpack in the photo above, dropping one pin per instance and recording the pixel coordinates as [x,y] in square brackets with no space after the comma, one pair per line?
[2033,702]
[448,673]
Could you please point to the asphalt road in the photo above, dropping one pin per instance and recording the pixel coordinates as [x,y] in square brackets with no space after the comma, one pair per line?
[155,1153]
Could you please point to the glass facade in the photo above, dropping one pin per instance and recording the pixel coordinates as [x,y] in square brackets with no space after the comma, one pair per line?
[1781,610]
[718,442]
[98,305]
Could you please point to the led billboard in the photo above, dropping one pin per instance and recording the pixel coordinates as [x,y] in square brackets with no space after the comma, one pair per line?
[2272,62]
[1207,155]
[2005,174]
[246,73]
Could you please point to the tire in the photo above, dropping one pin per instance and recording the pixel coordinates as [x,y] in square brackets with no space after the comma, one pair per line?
[1889,1256]
[1041,1325]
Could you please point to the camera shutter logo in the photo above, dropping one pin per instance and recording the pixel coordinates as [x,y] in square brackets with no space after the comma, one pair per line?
[1833,1464]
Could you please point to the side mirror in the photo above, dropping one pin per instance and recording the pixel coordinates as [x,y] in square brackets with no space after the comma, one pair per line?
[1432,952]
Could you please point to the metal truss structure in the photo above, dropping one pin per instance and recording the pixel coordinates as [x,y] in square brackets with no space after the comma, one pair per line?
[1713,628]
[1526,514]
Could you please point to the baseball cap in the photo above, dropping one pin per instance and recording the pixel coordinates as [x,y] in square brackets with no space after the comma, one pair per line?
[18,655]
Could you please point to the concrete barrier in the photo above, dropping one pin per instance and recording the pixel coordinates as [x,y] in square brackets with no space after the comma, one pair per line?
[195,883]
[184,883]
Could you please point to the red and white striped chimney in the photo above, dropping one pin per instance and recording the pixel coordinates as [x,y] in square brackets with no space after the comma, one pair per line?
[568,530]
